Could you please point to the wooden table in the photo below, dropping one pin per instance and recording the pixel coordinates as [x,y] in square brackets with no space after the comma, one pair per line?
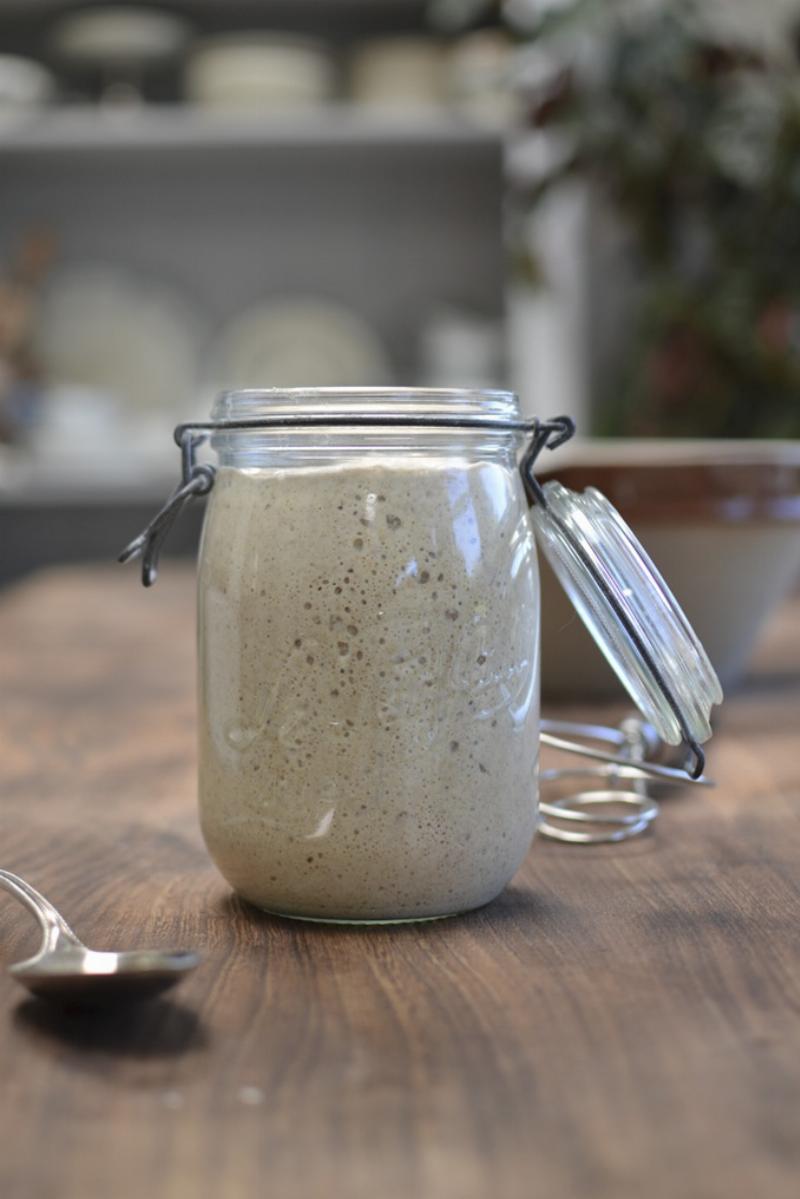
[623,1022]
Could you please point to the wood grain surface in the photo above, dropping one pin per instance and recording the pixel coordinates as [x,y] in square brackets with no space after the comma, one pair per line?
[623,1022]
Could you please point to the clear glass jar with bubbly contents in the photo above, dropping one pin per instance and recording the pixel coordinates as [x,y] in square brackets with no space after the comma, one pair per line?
[369,664]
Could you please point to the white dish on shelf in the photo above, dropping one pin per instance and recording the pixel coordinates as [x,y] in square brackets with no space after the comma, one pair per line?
[23,83]
[118,36]
[479,78]
[78,431]
[459,347]
[84,437]
[398,73]
[258,69]
[126,337]
[299,343]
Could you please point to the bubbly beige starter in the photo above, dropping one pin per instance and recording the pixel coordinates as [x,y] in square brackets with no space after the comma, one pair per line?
[369,686]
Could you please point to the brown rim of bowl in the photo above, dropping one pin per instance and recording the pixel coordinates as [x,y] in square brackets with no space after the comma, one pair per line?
[727,492]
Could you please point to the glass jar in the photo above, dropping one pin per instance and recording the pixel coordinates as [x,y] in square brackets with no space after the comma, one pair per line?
[369,662]
[369,643]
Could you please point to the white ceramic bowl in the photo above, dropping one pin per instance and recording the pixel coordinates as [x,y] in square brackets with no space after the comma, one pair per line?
[23,83]
[118,35]
[258,70]
[398,72]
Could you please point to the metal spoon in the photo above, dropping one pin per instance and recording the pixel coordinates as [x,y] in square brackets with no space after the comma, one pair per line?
[65,971]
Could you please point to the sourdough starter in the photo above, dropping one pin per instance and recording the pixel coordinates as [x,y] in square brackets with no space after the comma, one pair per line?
[368,686]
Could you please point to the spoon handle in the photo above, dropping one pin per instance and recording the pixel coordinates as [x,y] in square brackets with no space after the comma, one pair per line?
[53,924]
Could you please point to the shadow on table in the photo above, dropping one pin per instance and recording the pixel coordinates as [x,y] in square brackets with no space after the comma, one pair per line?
[159,1029]
[515,905]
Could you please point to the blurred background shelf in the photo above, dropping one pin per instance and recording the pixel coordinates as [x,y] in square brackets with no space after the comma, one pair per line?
[175,127]
[276,210]
[22,19]
[313,196]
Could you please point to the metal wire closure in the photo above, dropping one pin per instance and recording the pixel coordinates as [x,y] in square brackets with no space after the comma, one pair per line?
[622,806]
[198,479]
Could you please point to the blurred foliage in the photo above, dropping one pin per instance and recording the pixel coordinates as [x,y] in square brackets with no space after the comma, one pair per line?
[688,130]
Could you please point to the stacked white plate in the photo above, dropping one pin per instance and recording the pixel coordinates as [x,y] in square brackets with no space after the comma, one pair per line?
[119,335]
[302,342]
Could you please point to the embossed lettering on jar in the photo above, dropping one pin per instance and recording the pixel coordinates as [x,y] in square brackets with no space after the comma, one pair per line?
[368,660]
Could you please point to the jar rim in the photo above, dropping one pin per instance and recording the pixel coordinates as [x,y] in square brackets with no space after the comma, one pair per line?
[252,403]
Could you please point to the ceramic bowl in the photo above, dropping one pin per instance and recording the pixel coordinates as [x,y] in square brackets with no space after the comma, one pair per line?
[397,72]
[721,521]
[261,70]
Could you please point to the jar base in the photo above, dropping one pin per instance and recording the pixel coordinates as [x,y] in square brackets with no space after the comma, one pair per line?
[363,923]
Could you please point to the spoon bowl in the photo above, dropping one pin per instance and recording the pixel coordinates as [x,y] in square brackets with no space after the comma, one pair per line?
[65,971]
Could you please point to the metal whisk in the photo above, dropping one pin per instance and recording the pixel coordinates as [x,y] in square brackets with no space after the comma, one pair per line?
[616,799]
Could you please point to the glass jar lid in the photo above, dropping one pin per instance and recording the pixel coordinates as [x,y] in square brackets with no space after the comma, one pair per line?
[630,612]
